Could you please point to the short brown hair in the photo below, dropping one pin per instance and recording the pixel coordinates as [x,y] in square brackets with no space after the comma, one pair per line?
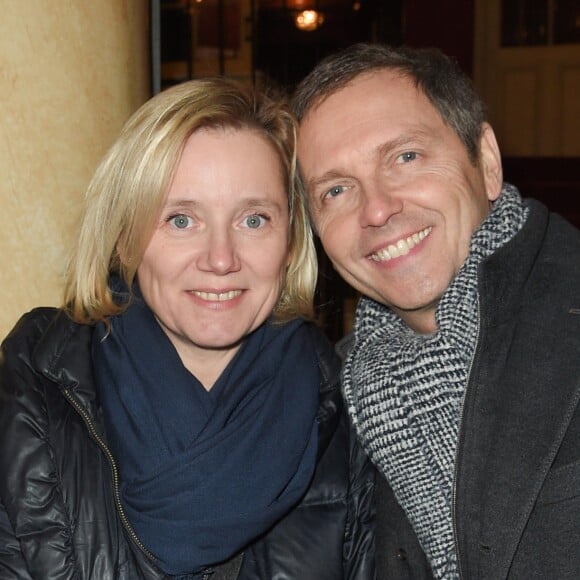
[439,77]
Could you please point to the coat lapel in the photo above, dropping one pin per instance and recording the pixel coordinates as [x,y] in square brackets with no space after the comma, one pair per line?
[523,391]
[534,400]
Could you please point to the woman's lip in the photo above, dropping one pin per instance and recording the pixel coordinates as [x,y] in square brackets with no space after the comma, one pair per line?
[216,296]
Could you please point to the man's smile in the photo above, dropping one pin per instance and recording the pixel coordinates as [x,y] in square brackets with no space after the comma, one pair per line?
[400,248]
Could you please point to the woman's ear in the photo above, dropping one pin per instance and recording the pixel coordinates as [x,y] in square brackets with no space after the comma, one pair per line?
[124,256]
[490,159]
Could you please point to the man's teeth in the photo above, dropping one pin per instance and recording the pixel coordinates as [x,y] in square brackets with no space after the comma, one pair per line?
[221,297]
[401,248]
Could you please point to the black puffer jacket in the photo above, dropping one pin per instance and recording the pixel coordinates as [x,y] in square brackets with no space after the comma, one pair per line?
[59,511]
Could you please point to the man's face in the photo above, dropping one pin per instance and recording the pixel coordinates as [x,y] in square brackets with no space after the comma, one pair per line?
[393,194]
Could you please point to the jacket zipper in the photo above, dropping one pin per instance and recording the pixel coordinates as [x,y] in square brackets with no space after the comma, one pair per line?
[96,437]
[459,439]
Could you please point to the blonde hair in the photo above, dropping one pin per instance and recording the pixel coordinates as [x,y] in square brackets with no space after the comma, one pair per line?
[125,195]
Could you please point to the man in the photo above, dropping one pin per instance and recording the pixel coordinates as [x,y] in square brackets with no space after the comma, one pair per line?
[463,376]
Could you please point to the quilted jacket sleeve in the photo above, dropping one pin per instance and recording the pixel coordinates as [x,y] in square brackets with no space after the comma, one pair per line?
[359,548]
[34,525]
[12,563]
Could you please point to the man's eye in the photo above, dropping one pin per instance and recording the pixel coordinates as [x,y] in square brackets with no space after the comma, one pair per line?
[334,191]
[408,156]
[180,221]
[255,221]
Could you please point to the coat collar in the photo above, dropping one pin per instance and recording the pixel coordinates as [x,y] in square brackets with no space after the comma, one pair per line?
[63,352]
[523,389]
[63,355]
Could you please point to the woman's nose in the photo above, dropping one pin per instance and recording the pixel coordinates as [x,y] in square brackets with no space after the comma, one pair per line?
[220,254]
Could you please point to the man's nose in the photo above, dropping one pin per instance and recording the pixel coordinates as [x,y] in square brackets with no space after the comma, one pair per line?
[379,203]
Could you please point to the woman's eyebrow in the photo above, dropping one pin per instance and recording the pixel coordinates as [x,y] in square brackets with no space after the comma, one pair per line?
[175,204]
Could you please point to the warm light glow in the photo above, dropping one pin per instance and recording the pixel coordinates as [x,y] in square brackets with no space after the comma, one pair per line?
[297,4]
[309,20]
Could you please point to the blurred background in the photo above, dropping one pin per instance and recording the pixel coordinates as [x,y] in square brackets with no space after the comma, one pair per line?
[72,73]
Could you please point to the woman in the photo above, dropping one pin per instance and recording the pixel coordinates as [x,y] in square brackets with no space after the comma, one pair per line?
[178,416]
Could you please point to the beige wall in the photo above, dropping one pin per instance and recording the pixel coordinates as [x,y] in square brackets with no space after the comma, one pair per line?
[71,72]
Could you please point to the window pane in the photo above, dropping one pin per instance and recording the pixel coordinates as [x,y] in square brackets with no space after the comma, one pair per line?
[524,22]
[567,21]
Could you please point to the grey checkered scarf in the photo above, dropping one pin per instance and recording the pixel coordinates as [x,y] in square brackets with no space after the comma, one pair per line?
[405,390]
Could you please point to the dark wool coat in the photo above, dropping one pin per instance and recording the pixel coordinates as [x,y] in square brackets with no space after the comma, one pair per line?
[58,491]
[517,501]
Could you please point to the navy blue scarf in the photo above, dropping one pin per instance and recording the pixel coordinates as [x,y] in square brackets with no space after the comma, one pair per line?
[202,473]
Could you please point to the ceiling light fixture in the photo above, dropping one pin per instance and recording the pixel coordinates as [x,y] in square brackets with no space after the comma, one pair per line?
[308,20]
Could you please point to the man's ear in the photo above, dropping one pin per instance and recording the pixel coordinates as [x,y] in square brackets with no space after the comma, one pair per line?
[490,159]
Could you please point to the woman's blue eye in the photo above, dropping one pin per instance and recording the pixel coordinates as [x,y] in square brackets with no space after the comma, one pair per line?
[180,221]
[336,190]
[255,221]
[408,156]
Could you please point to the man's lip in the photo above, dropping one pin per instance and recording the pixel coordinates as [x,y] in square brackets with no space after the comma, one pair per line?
[400,247]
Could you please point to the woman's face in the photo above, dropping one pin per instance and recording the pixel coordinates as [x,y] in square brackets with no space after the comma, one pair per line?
[214,268]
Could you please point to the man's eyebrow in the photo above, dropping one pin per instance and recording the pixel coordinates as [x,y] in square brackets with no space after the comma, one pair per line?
[407,140]
[316,182]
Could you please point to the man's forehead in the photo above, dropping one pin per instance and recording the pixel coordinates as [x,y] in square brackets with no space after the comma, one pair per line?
[379,106]
[390,77]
